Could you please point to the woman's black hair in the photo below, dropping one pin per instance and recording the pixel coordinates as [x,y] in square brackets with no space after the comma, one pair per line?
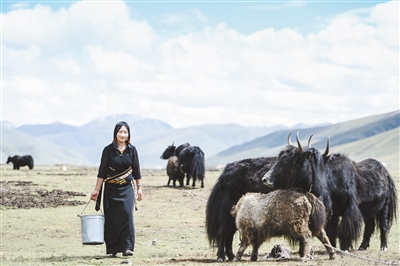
[118,127]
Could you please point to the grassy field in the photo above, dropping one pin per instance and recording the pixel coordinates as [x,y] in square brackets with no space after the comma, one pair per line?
[174,218]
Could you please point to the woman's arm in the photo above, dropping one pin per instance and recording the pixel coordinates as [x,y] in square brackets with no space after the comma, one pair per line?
[139,189]
[97,188]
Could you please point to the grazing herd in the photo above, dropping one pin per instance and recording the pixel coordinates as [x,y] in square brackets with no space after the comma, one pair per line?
[185,159]
[337,197]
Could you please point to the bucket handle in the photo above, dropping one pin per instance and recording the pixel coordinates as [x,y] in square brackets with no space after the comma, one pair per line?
[87,205]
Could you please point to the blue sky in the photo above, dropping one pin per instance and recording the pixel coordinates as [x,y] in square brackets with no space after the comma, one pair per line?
[244,16]
[188,63]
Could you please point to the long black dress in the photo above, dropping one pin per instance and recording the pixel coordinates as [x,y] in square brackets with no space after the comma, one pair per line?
[118,200]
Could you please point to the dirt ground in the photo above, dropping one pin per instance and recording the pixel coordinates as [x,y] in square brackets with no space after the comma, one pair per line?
[26,194]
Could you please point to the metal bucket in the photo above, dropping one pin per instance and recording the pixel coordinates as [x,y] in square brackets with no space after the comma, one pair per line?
[92,227]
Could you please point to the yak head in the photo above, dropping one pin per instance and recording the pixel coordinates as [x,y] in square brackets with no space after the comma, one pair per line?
[295,168]
[9,160]
[169,151]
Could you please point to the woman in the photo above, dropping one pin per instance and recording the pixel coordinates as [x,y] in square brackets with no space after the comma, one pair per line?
[118,168]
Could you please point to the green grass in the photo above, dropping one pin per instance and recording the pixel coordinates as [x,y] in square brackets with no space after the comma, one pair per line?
[175,218]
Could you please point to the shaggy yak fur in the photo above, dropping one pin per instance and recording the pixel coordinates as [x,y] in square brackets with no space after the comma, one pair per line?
[19,161]
[192,163]
[352,192]
[293,214]
[237,179]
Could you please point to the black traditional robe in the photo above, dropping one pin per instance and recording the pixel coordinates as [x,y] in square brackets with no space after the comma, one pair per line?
[119,200]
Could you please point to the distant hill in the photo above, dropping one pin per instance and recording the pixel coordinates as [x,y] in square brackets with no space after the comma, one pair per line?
[19,143]
[50,129]
[351,132]
[59,143]
[150,136]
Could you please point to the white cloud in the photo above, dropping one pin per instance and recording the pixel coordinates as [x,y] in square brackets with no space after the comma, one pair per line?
[93,60]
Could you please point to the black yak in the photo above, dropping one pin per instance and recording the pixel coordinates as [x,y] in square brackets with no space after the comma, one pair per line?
[19,161]
[236,179]
[191,161]
[352,191]
[173,150]
[295,215]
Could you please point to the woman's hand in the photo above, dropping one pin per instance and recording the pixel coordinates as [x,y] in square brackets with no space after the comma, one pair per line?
[139,193]
[94,194]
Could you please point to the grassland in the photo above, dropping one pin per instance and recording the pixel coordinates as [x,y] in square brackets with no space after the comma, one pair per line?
[174,218]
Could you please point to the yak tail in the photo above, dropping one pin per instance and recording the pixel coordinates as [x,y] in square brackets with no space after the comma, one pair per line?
[197,170]
[213,210]
[318,214]
[392,204]
[30,164]
[350,226]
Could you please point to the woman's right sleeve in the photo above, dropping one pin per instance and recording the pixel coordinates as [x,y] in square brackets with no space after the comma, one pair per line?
[103,165]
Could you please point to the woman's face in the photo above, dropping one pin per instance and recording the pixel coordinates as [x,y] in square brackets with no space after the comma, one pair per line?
[122,134]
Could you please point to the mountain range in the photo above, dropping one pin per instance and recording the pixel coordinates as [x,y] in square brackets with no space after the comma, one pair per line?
[58,143]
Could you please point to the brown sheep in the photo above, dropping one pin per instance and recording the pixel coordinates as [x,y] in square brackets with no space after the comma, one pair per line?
[295,215]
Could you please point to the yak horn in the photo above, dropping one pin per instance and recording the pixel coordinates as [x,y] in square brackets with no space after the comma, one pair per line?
[309,141]
[299,149]
[327,148]
[289,142]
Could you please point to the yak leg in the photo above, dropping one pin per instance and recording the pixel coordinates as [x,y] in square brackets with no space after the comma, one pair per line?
[305,247]
[325,240]
[169,180]
[256,245]
[331,229]
[202,183]
[180,179]
[194,182]
[384,227]
[368,230]
[243,245]
[221,250]
[225,242]
[228,247]
[188,176]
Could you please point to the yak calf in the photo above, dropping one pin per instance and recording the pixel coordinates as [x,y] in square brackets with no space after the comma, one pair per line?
[293,214]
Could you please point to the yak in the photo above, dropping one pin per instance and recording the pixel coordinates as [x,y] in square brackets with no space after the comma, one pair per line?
[19,161]
[173,171]
[173,168]
[236,179]
[191,161]
[296,215]
[353,191]
[173,150]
